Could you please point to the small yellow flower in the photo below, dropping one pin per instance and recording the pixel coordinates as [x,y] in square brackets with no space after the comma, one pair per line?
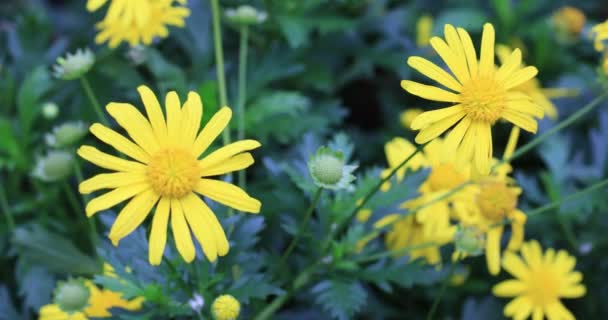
[166,172]
[99,305]
[408,116]
[424,27]
[541,280]
[138,21]
[225,307]
[600,33]
[569,21]
[481,95]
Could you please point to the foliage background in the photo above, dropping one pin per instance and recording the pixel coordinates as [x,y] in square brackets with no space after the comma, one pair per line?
[316,68]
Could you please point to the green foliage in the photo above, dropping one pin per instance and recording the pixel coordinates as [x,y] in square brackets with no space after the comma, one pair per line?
[342,298]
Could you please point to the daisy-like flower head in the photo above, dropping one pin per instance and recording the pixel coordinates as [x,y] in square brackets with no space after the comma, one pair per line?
[541,279]
[481,93]
[138,21]
[74,65]
[166,172]
[600,34]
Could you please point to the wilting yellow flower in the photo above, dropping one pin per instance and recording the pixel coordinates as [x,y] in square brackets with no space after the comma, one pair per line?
[541,280]
[424,27]
[167,172]
[600,33]
[408,116]
[99,305]
[569,21]
[138,21]
[481,93]
[533,88]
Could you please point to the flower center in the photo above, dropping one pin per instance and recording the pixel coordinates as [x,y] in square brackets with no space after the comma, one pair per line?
[496,200]
[173,172]
[484,99]
[443,177]
[543,286]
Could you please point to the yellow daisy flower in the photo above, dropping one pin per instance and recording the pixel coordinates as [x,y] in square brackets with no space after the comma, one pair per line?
[541,280]
[481,93]
[166,172]
[600,34]
[138,21]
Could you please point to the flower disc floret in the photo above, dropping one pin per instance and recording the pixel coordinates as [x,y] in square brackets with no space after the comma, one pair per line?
[225,307]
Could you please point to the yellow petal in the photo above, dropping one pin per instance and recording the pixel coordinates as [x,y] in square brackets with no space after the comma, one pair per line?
[427,118]
[155,113]
[93,5]
[521,120]
[434,72]
[202,229]
[512,143]
[519,308]
[486,63]
[228,194]
[214,127]
[110,162]
[191,119]
[181,232]
[111,181]
[174,115]
[455,44]
[220,237]
[483,150]
[456,135]
[226,152]
[532,254]
[135,124]
[397,150]
[114,197]
[238,162]
[526,107]
[132,215]
[517,230]
[451,59]
[515,266]
[520,76]
[493,249]
[436,129]
[119,142]
[158,233]
[469,50]
[429,92]
[573,291]
[537,313]
[512,63]
[509,288]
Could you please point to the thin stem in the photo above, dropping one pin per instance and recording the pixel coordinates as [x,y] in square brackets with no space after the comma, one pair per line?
[219,61]
[72,198]
[302,227]
[557,203]
[444,285]
[242,95]
[90,220]
[96,106]
[10,221]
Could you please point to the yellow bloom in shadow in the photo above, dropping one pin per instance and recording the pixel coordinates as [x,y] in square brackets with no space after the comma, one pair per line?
[541,279]
[480,94]
[424,27]
[600,34]
[166,173]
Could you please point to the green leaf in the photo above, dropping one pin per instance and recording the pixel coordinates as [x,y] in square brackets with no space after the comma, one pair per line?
[9,144]
[400,272]
[342,298]
[168,76]
[295,29]
[39,246]
[7,308]
[36,287]
[470,19]
[34,87]
[208,91]
[253,286]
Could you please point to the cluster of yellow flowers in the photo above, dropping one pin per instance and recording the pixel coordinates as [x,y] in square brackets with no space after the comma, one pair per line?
[468,196]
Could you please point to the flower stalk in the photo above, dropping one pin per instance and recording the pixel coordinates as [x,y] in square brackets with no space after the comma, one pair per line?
[91,96]
[219,61]
[242,94]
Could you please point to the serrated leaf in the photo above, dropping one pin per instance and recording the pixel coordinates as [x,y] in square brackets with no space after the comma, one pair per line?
[253,286]
[400,272]
[36,287]
[342,298]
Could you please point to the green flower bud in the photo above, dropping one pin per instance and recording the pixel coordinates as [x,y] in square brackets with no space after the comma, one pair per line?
[56,165]
[75,65]
[72,295]
[328,169]
[66,134]
[50,110]
[245,15]
[470,241]
[225,307]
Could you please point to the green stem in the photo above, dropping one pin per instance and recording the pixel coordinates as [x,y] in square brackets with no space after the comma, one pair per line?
[557,203]
[96,106]
[561,125]
[444,285]
[242,95]
[90,220]
[219,61]
[10,221]
[302,227]
[72,198]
